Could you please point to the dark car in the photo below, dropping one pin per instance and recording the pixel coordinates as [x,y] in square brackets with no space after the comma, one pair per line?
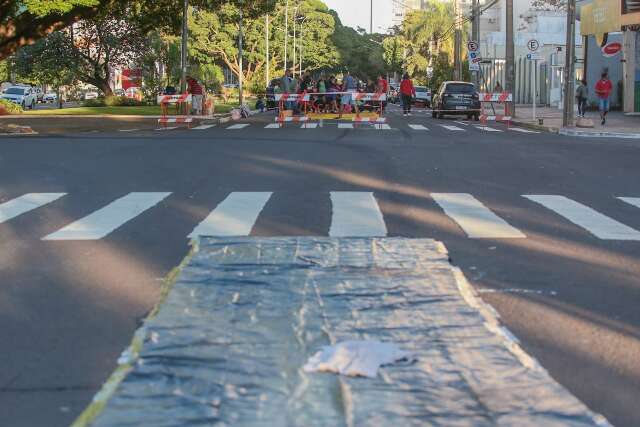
[456,98]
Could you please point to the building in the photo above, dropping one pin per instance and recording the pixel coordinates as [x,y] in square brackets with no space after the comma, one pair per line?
[402,7]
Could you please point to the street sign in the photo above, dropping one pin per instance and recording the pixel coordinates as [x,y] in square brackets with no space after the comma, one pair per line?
[474,61]
[533,57]
[533,45]
[473,46]
[611,49]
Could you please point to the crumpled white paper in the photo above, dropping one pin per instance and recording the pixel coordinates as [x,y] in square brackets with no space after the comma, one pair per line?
[356,358]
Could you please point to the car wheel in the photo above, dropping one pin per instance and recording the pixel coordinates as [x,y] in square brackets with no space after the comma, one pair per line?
[33,105]
[434,115]
[24,106]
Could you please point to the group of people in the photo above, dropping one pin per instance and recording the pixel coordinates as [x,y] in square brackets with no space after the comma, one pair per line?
[329,95]
[603,91]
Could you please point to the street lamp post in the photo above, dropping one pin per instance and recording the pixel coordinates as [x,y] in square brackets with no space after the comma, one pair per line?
[286,32]
[301,41]
[183,54]
[266,39]
[240,61]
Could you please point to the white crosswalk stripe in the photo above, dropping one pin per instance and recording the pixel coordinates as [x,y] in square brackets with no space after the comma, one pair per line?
[203,127]
[345,125]
[238,126]
[487,129]
[103,221]
[273,126]
[382,126]
[591,220]
[635,201]
[309,126]
[462,123]
[418,127]
[235,216]
[453,128]
[523,130]
[26,203]
[477,221]
[356,214]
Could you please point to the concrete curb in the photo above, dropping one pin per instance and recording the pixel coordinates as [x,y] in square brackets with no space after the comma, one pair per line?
[533,126]
[588,134]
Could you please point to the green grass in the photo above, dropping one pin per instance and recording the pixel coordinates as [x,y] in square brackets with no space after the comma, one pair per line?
[152,110]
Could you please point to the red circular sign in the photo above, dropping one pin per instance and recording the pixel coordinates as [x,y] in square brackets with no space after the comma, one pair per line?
[611,49]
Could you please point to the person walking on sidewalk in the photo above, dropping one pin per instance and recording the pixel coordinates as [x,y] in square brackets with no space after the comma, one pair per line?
[407,91]
[582,93]
[603,90]
[197,92]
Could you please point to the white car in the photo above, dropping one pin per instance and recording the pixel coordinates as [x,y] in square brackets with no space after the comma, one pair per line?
[50,97]
[423,96]
[91,95]
[24,96]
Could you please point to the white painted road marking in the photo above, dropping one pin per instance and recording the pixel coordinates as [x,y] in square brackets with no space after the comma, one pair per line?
[474,218]
[26,203]
[203,127]
[523,130]
[235,216]
[635,201]
[273,126]
[462,123]
[238,126]
[309,126]
[168,128]
[356,214]
[455,128]
[591,220]
[382,126]
[418,127]
[128,130]
[487,129]
[103,221]
[345,125]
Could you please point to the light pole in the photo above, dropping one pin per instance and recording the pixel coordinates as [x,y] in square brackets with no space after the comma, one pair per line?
[295,18]
[266,39]
[240,75]
[301,41]
[183,54]
[569,65]
[286,32]
[371,19]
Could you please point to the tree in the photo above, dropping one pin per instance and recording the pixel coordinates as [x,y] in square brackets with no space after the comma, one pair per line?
[393,53]
[359,52]
[22,22]
[49,61]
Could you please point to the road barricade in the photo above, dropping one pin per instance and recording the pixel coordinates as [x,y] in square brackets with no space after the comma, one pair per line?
[182,102]
[491,99]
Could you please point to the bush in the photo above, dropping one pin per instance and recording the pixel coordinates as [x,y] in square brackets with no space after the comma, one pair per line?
[94,102]
[122,101]
[10,107]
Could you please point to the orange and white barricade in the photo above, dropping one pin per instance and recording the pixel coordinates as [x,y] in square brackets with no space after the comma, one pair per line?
[373,97]
[281,98]
[501,99]
[182,101]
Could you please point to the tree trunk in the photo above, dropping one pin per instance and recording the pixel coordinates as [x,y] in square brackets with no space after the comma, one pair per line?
[59,97]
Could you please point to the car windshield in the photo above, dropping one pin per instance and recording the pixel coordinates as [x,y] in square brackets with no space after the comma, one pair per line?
[460,88]
[15,91]
[421,89]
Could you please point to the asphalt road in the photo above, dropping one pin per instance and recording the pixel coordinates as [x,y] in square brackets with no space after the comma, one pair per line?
[565,281]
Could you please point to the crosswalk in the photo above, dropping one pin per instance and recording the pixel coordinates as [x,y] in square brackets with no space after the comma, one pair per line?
[353,214]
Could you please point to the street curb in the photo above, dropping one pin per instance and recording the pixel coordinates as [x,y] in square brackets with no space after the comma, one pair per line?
[533,126]
[102,116]
[587,134]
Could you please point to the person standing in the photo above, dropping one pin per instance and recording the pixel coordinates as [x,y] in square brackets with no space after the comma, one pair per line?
[197,92]
[603,91]
[288,87]
[582,93]
[349,85]
[383,88]
[407,91]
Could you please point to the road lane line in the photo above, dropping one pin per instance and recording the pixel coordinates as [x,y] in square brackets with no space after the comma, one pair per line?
[523,130]
[167,128]
[128,130]
[238,126]
[309,126]
[591,220]
[235,216]
[635,201]
[382,126]
[273,126]
[104,221]
[203,127]
[475,219]
[26,203]
[462,123]
[454,128]
[418,127]
[487,129]
[356,214]
[345,125]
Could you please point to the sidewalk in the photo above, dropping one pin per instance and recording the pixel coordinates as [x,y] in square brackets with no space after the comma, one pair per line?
[619,125]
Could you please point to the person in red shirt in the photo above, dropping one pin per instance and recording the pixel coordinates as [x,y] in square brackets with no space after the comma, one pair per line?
[383,87]
[197,93]
[407,91]
[603,91]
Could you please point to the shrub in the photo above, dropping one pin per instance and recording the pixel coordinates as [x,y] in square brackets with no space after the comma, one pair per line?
[94,102]
[121,101]
[10,107]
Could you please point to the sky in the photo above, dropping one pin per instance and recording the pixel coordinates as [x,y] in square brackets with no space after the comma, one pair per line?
[356,13]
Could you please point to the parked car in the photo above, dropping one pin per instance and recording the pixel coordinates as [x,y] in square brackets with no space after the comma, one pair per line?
[21,95]
[50,97]
[456,98]
[91,95]
[134,93]
[119,92]
[423,96]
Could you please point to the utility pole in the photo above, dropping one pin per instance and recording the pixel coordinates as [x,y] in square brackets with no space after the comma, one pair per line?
[569,65]
[475,34]
[266,40]
[183,55]
[371,19]
[240,61]
[295,18]
[286,32]
[510,75]
[457,41]
[301,39]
